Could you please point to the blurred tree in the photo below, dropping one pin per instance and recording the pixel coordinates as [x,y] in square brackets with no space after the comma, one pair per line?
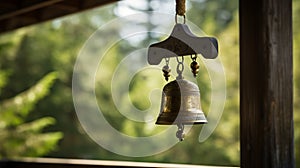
[34,51]
[53,46]
[213,16]
[21,138]
[296,54]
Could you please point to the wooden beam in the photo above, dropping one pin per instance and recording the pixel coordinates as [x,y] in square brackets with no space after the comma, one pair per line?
[43,10]
[266,84]
[65,7]
[29,8]
[82,163]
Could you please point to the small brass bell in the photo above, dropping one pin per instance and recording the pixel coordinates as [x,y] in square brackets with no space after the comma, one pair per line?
[180,105]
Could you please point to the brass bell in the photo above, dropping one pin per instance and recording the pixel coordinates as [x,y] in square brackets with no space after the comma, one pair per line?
[180,105]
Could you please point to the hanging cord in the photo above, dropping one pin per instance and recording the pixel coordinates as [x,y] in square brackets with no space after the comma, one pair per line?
[180,10]
[180,7]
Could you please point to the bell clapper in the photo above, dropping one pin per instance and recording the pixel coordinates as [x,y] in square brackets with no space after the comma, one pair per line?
[194,66]
[180,133]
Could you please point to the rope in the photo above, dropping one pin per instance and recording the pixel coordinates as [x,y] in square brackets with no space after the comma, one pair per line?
[180,7]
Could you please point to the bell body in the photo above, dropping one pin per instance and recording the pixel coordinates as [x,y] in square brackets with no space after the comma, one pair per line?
[180,104]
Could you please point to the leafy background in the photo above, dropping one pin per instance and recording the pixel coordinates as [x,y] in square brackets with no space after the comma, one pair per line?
[37,116]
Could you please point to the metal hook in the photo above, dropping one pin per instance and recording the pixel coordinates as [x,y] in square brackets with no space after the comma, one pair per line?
[177,19]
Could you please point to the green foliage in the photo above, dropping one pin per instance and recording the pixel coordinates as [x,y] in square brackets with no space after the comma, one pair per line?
[27,139]
[296,59]
[53,46]
[14,110]
[19,137]
[212,15]
[3,79]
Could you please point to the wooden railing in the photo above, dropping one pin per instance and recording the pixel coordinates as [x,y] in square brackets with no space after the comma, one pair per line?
[81,163]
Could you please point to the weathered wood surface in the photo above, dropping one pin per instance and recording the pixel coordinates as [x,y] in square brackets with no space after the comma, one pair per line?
[20,13]
[81,163]
[266,84]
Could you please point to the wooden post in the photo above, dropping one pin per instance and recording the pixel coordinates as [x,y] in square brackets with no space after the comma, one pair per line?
[266,82]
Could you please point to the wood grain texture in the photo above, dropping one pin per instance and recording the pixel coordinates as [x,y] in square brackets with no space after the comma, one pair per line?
[266,83]
[19,13]
[83,163]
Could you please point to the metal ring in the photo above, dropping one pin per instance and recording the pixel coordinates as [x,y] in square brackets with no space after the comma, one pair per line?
[177,21]
[182,59]
[180,66]
[194,58]
[167,60]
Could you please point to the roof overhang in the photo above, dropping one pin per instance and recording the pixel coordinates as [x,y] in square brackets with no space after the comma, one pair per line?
[19,13]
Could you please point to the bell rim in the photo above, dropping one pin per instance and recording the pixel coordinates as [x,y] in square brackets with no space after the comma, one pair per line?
[184,123]
[186,118]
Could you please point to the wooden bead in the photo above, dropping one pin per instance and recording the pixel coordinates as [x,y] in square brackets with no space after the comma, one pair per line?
[166,70]
[195,68]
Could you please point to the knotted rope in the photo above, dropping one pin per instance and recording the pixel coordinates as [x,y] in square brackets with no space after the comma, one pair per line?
[180,7]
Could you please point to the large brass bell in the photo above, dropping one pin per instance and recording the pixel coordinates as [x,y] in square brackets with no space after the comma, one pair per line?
[180,105]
